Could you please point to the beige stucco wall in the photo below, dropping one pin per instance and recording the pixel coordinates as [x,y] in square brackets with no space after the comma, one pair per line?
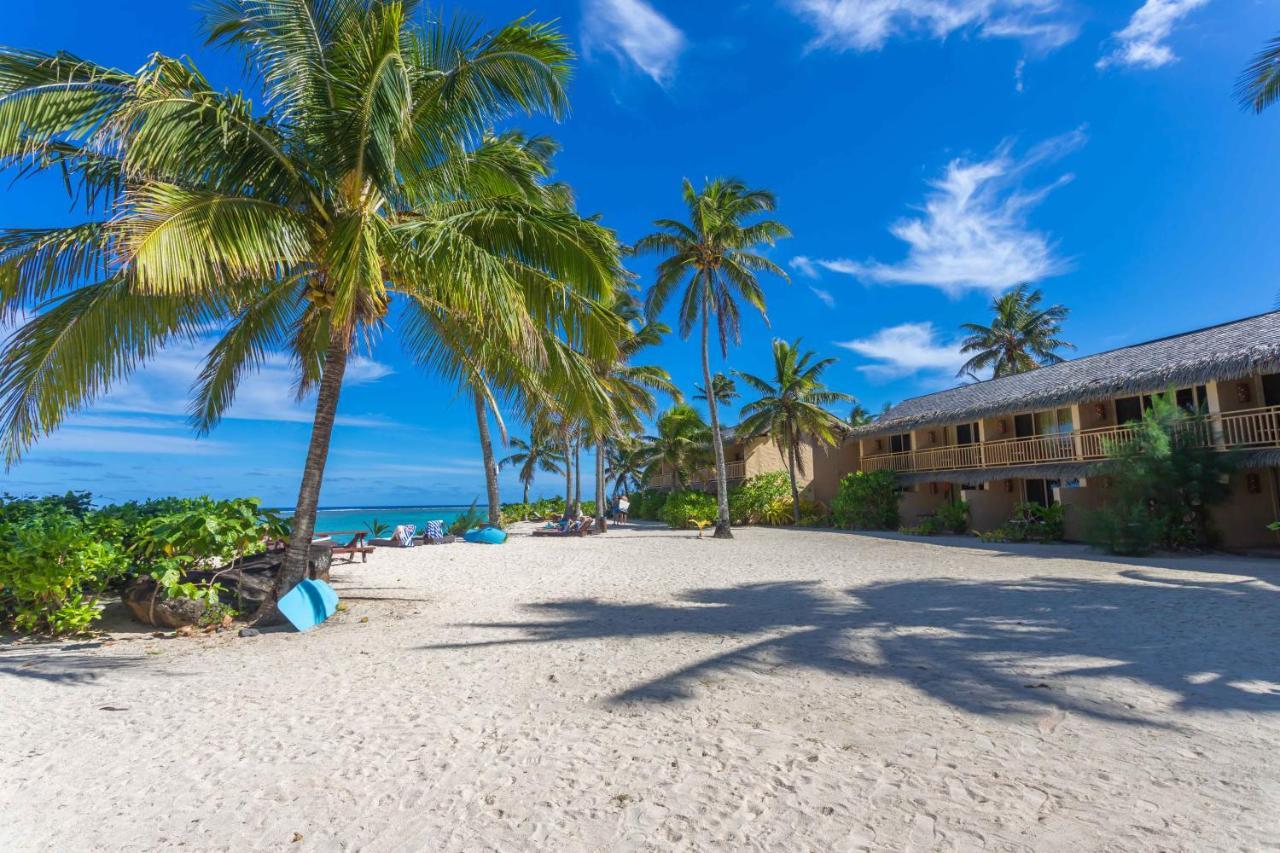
[1242,520]
[1079,503]
[830,466]
[1229,394]
[992,507]
[915,505]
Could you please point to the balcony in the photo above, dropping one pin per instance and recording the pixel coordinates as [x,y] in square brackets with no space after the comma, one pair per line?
[1253,428]
[701,479]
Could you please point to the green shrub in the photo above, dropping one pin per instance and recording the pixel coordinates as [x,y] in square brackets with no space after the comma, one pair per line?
[930,525]
[647,505]
[53,568]
[866,500]
[468,520]
[954,516]
[682,509]
[1031,522]
[752,501]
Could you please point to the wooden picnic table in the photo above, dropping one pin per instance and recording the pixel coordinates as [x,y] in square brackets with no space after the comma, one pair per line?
[355,546]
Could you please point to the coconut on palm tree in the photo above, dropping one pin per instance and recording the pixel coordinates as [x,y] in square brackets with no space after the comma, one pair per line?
[1022,335]
[792,407]
[366,182]
[713,257]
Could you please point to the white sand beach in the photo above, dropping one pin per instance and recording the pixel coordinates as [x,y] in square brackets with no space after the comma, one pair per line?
[644,690]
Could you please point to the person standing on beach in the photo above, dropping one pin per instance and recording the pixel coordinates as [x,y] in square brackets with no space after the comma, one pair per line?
[623,505]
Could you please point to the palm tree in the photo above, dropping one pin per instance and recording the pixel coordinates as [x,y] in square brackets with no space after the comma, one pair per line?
[539,453]
[368,177]
[724,388]
[858,414]
[680,443]
[1022,336]
[627,458]
[1258,86]
[713,256]
[792,406]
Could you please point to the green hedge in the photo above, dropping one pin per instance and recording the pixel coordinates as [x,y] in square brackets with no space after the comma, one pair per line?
[866,500]
[682,509]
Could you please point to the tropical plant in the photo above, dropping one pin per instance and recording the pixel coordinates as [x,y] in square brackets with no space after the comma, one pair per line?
[866,500]
[377,529]
[1031,522]
[647,504]
[954,516]
[369,174]
[1022,335]
[626,461]
[539,453]
[1164,478]
[468,520]
[680,444]
[682,510]
[792,407]
[858,414]
[722,386]
[750,502]
[1258,86]
[713,256]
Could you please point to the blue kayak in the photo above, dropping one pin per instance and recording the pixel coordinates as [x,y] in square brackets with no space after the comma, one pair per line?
[308,604]
[486,536]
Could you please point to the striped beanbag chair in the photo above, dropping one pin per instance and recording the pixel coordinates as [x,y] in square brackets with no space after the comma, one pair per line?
[435,529]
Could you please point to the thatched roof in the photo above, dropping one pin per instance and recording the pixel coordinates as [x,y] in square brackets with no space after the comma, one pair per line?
[1227,351]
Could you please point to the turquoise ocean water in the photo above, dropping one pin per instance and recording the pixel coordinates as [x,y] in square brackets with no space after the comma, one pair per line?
[358,518]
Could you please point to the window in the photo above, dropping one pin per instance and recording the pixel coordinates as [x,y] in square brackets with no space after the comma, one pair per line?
[1128,409]
[1271,389]
[900,443]
[967,434]
[1043,492]
[1024,426]
[1053,422]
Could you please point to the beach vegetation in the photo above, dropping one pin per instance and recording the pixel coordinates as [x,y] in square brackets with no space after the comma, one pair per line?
[714,257]
[680,446]
[647,504]
[469,519]
[754,500]
[791,408]
[1031,522]
[866,500]
[681,509]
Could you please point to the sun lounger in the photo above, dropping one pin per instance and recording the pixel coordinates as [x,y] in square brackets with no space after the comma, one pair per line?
[355,546]
[581,527]
[402,538]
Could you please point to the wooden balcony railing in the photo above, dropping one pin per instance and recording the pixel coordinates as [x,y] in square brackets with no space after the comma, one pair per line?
[1226,431]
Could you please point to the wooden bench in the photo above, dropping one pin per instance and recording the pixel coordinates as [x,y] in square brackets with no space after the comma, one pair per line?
[355,546]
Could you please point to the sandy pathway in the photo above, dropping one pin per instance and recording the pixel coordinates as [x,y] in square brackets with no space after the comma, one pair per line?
[789,690]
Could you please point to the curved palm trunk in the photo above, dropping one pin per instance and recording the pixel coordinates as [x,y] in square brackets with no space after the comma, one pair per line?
[602,525]
[526,492]
[490,464]
[795,489]
[722,489]
[304,514]
[577,472]
[568,473]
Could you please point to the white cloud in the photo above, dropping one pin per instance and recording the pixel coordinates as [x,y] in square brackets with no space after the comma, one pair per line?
[905,350]
[973,233]
[77,440]
[869,24]
[824,295]
[632,30]
[1141,43]
[163,387]
[804,265]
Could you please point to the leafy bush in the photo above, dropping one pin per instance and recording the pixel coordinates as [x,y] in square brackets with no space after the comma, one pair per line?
[468,520]
[866,500]
[814,514]
[682,509]
[53,568]
[1031,522]
[647,505]
[954,516]
[752,501]
[1163,482]
[930,525]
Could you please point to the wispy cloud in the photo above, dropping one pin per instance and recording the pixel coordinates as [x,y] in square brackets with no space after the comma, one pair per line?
[869,24]
[824,295]
[1141,44]
[804,265]
[635,32]
[974,232]
[906,350]
[78,440]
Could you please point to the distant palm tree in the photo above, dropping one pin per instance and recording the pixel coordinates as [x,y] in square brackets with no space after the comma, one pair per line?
[858,414]
[367,180]
[680,443]
[626,460]
[713,256]
[540,453]
[1258,86]
[792,406]
[725,389]
[1022,335]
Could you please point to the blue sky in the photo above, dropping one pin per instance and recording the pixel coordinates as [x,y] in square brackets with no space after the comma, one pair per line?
[926,154]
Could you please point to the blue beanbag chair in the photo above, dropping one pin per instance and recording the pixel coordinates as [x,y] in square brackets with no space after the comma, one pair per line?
[485,536]
[308,604]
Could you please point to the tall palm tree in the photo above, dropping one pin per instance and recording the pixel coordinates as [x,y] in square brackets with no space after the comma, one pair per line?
[539,453]
[626,462]
[680,443]
[368,177]
[858,414]
[792,406]
[1258,86]
[724,388]
[630,388]
[1022,335]
[712,256]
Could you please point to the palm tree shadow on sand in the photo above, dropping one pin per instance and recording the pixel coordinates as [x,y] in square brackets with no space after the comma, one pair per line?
[987,647]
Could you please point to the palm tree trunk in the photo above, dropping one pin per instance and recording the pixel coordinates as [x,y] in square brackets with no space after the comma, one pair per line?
[722,486]
[795,490]
[490,464]
[577,471]
[601,524]
[568,472]
[296,558]
[526,493]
